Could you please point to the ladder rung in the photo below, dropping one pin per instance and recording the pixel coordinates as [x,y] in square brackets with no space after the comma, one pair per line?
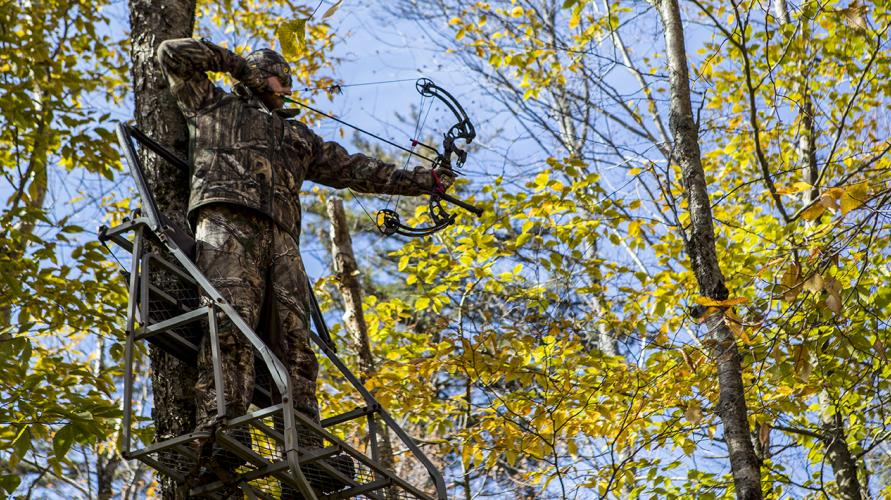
[156,258]
[362,488]
[346,417]
[320,453]
[255,415]
[156,292]
[174,322]
[167,443]
[176,475]
[270,470]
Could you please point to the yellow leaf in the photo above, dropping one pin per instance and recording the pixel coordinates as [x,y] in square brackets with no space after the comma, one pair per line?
[709,302]
[737,330]
[422,303]
[814,283]
[541,180]
[694,412]
[855,15]
[796,187]
[880,348]
[792,282]
[813,212]
[466,455]
[791,276]
[517,11]
[802,359]
[764,434]
[853,197]
[834,303]
[292,37]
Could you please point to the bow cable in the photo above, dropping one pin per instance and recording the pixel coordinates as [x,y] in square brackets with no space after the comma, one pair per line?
[359,129]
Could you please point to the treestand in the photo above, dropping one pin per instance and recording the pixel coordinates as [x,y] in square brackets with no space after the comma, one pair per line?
[278,451]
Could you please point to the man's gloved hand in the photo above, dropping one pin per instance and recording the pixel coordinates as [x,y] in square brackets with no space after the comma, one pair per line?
[252,78]
[443,178]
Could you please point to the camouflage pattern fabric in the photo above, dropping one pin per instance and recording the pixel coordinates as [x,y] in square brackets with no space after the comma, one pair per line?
[270,63]
[240,251]
[245,155]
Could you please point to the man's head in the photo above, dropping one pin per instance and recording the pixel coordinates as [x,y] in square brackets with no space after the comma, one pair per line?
[275,68]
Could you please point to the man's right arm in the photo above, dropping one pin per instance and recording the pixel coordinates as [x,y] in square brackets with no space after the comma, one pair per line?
[186,61]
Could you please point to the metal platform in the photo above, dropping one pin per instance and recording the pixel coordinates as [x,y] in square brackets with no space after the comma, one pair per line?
[280,453]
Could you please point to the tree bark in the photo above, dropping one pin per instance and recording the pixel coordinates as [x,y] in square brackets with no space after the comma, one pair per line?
[700,243]
[844,465]
[347,272]
[152,22]
[782,11]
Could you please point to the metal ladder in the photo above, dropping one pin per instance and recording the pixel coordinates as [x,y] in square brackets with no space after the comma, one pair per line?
[341,455]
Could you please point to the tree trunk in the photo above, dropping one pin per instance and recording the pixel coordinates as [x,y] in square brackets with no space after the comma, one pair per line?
[347,272]
[152,22]
[700,243]
[844,465]
[781,10]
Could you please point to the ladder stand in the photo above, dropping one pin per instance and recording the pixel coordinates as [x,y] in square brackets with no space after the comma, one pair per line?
[284,452]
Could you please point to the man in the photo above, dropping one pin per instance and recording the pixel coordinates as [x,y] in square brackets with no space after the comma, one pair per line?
[249,162]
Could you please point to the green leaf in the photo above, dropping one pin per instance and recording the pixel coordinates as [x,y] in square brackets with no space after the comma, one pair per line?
[20,446]
[63,440]
[9,482]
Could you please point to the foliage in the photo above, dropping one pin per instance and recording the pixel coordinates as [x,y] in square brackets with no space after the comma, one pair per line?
[554,347]
[517,306]
[57,293]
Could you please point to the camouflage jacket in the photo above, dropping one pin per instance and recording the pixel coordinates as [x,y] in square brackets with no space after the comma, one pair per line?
[244,155]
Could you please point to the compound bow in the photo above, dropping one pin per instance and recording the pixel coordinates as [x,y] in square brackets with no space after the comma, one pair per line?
[388,220]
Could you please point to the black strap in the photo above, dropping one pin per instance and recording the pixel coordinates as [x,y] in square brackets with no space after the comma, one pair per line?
[318,320]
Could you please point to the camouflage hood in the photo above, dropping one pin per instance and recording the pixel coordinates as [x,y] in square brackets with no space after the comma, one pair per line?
[270,63]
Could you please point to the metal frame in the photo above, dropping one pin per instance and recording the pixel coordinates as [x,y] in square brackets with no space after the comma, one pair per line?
[141,325]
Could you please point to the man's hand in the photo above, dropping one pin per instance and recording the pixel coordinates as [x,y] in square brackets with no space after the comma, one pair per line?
[253,79]
[443,178]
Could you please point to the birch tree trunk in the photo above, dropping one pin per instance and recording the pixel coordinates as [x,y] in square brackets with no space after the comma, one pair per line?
[347,272]
[152,22]
[700,243]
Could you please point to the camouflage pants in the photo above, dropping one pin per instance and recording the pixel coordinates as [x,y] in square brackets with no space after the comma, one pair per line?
[252,263]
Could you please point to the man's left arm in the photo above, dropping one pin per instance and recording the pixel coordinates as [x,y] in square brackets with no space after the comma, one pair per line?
[333,166]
